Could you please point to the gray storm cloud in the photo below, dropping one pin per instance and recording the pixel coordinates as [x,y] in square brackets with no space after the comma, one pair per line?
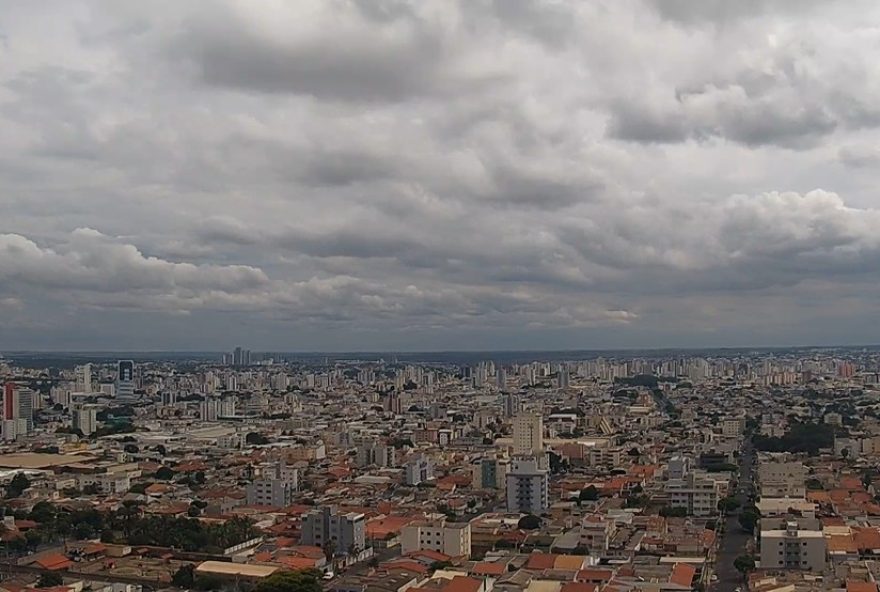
[434,174]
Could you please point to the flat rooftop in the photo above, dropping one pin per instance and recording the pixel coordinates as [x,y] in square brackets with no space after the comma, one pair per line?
[223,568]
[37,460]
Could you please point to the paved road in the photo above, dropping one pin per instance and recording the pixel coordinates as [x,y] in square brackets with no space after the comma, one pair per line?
[734,540]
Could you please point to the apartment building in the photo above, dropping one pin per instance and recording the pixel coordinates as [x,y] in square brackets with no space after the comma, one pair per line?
[343,533]
[449,538]
[528,486]
[490,473]
[793,547]
[698,495]
[277,487]
[419,470]
[782,479]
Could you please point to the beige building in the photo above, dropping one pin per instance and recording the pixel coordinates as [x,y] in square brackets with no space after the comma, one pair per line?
[782,479]
[449,538]
[793,548]
[528,434]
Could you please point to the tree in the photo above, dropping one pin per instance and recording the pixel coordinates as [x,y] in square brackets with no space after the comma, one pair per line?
[529,522]
[291,581]
[184,577]
[91,489]
[728,504]
[668,512]
[256,438]
[50,580]
[17,486]
[744,564]
[131,448]
[139,488]
[748,519]
[165,474]
[42,512]
[589,494]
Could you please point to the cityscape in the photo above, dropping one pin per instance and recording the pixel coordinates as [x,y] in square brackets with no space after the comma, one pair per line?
[439,296]
[648,471]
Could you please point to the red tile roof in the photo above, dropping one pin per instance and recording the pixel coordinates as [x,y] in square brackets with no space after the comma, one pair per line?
[683,574]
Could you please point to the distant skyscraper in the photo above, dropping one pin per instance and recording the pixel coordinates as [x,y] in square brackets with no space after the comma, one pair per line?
[563,376]
[83,376]
[85,420]
[511,404]
[18,411]
[125,381]
[501,378]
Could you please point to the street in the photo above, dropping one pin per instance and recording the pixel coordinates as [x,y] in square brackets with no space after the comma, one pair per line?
[734,540]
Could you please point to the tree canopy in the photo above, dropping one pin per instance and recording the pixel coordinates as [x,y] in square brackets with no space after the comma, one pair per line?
[291,581]
[529,522]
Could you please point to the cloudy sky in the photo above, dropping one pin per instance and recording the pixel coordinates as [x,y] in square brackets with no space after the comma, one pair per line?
[438,174]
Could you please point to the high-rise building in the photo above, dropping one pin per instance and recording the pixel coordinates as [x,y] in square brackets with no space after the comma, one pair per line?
[528,434]
[490,473]
[501,378]
[511,404]
[83,376]
[343,534]
[18,411]
[528,487]
[125,381]
[85,420]
[563,377]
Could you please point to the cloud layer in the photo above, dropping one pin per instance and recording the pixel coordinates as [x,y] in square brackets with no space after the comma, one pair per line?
[433,174]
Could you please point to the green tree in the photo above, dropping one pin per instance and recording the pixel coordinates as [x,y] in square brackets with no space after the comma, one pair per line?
[184,577]
[728,504]
[529,522]
[17,486]
[744,564]
[291,581]
[165,473]
[668,512]
[43,512]
[748,519]
[589,494]
[256,438]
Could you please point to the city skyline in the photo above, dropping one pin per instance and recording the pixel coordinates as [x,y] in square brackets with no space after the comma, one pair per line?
[438,176]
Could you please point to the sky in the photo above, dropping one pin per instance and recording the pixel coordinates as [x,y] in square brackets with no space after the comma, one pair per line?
[338,175]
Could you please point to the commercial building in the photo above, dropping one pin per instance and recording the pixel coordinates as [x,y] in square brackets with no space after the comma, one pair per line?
[125,381]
